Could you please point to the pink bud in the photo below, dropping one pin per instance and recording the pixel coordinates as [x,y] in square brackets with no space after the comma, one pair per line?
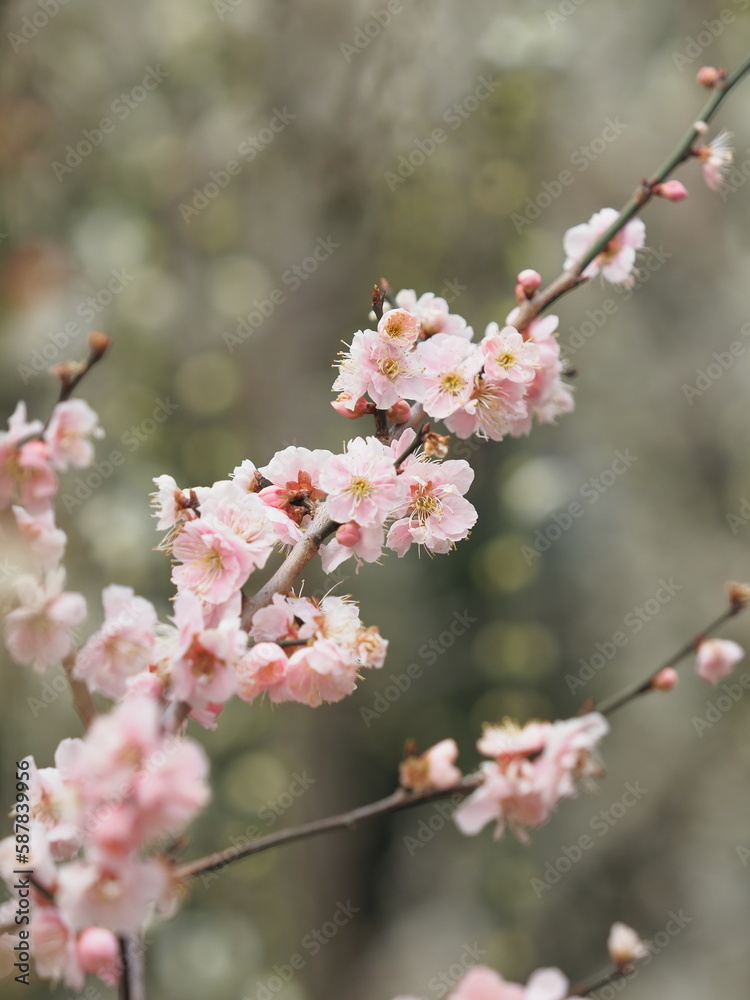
[361,408]
[529,280]
[709,76]
[717,658]
[348,534]
[98,953]
[399,413]
[665,680]
[671,190]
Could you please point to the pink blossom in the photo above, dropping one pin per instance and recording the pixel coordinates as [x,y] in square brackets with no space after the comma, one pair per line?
[295,490]
[450,364]
[68,434]
[529,280]
[45,540]
[534,768]
[434,314]
[122,647]
[19,428]
[362,484]
[624,945]
[118,898]
[481,983]
[203,659]
[617,260]
[36,481]
[246,515]
[56,807]
[435,768]
[493,410]
[384,368]
[215,561]
[98,953]
[263,668]
[508,356]
[367,548]
[172,504]
[247,477]
[53,947]
[435,513]
[717,658]
[399,327]
[40,631]
[322,672]
[716,159]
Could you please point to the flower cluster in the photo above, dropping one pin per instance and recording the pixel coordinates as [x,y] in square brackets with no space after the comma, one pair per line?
[420,352]
[324,647]
[532,769]
[124,788]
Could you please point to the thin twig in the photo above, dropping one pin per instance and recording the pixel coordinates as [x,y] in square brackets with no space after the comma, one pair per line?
[571,278]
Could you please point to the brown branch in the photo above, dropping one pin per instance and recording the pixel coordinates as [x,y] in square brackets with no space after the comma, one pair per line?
[571,278]
[283,579]
[610,705]
[400,799]
[588,986]
[82,700]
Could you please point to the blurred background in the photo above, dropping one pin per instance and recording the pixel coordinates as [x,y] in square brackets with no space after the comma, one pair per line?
[218,186]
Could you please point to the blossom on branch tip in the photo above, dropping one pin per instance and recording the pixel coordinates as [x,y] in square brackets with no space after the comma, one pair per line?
[383,368]
[434,513]
[716,158]
[435,768]
[508,356]
[617,260]
[483,983]
[625,946]
[717,658]
[68,434]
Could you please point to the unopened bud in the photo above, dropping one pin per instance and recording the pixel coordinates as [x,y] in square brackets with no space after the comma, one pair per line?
[529,280]
[739,595]
[98,342]
[361,408]
[399,413]
[671,190]
[348,534]
[624,945]
[709,76]
[665,680]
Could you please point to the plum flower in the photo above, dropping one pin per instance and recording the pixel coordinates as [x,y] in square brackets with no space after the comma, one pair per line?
[68,435]
[117,898]
[40,631]
[361,484]
[295,486]
[45,540]
[435,768]
[625,946]
[383,367]
[365,544]
[172,505]
[716,159]
[617,260]
[534,768]
[435,513]
[19,429]
[492,410]
[508,356]
[483,983]
[717,658]
[122,647]
[450,364]
[215,562]
[434,314]
[399,327]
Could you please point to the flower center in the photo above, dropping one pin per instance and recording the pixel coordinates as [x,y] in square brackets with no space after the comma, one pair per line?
[506,360]
[359,488]
[390,367]
[452,383]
